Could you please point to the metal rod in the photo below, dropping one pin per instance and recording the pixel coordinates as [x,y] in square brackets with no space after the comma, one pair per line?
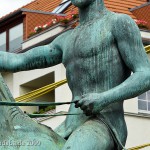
[3,103]
[48,115]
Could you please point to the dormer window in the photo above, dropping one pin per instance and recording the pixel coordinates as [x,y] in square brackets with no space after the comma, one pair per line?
[64,4]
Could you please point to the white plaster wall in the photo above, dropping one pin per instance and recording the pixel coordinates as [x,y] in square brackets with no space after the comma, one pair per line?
[131,105]
[54,122]
[62,93]
[26,76]
[145,35]
[138,131]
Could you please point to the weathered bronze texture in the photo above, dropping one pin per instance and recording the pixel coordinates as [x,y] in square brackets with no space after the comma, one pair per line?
[99,56]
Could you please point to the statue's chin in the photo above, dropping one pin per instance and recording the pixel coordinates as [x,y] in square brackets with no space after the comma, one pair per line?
[81,3]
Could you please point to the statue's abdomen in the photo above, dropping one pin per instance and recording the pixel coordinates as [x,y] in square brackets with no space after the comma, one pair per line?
[97,73]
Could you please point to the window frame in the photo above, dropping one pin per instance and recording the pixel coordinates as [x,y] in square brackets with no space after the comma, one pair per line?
[10,30]
[6,29]
[147,100]
[5,34]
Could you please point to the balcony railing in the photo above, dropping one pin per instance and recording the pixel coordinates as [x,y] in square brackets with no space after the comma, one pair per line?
[51,112]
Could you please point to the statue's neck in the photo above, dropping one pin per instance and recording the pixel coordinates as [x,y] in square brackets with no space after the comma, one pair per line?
[92,11]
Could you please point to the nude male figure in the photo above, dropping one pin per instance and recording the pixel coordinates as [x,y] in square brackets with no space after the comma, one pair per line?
[99,56]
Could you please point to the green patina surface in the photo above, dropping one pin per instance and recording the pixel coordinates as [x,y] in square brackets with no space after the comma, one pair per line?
[99,56]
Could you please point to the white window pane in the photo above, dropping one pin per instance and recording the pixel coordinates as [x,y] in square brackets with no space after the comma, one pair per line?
[148,106]
[15,37]
[148,95]
[142,105]
[64,1]
[61,7]
[142,96]
[56,9]
[3,41]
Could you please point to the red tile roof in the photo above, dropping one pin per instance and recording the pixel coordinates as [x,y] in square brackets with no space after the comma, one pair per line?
[43,5]
[120,6]
[143,13]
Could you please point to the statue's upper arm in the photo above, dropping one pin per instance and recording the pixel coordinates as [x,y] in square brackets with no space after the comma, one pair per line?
[42,56]
[129,43]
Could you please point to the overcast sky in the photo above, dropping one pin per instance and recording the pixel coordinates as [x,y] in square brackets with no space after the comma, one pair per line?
[7,6]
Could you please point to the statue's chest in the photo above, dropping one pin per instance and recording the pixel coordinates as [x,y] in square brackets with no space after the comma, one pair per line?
[86,42]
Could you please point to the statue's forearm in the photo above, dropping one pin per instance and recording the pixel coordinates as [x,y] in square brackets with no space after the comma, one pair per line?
[36,58]
[136,84]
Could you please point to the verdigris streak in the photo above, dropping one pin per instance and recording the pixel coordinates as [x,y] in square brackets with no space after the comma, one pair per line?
[99,56]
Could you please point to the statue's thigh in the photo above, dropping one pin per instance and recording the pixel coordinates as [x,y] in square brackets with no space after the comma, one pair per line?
[92,135]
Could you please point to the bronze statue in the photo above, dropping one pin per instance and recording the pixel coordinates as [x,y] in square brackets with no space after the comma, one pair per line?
[99,56]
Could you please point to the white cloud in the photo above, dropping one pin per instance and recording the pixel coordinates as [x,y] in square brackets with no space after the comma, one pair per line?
[8,6]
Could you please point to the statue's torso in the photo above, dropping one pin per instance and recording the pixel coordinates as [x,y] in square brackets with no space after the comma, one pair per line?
[92,59]
[93,65]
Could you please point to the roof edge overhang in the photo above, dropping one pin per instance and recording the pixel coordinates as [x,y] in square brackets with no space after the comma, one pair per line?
[19,11]
[138,7]
[41,12]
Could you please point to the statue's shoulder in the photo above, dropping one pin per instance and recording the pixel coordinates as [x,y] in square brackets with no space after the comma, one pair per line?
[60,40]
[121,19]
[65,34]
[121,23]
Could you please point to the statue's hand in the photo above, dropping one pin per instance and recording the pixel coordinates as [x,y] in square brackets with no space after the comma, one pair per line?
[91,104]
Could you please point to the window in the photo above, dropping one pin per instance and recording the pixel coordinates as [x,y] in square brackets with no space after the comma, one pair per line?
[144,102]
[12,38]
[15,37]
[3,41]
[62,6]
[64,1]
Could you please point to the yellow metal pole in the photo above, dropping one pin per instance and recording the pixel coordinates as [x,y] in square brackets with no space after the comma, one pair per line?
[147,48]
[139,147]
[40,91]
